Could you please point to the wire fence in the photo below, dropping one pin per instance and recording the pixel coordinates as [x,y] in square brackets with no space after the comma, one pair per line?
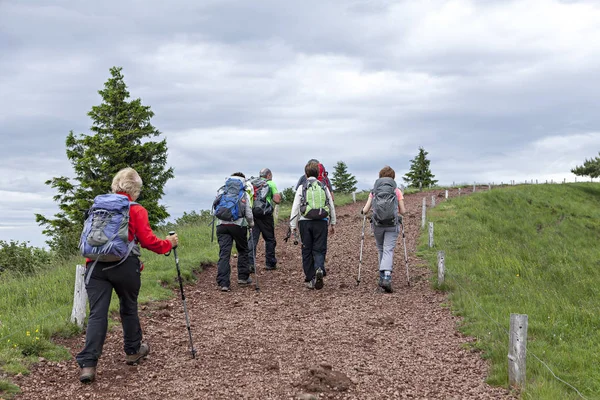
[511,182]
[506,331]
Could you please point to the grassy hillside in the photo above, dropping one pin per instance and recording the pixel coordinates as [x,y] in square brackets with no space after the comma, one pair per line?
[35,308]
[531,250]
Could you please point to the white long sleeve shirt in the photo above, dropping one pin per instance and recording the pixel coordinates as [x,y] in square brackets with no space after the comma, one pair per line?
[295,216]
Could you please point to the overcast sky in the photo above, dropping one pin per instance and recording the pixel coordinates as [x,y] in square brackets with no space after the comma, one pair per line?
[493,90]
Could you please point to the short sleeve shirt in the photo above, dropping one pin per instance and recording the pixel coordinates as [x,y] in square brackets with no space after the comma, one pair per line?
[398,194]
[272,192]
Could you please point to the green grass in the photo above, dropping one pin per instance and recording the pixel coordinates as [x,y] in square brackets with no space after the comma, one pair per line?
[529,250]
[36,308]
[7,389]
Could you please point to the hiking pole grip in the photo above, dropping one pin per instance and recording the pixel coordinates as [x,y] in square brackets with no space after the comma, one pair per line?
[171,233]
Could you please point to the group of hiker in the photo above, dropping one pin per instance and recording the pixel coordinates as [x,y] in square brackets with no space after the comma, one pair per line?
[116,227]
[242,205]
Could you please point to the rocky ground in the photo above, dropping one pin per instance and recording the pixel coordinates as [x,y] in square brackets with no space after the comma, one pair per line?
[287,342]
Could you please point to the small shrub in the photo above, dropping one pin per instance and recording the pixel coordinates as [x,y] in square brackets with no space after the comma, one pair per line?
[22,258]
[194,218]
[188,219]
[288,195]
[32,344]
[64,243]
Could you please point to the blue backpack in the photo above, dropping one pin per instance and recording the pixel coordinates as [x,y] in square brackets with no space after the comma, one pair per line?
[105,235]
[229,205]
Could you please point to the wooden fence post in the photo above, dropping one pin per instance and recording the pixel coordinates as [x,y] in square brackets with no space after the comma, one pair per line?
[446,193]
[424,212]
[354,197]
[432,201]
[517,350]
[430,234]
[473,187]
[441,267]
[536,181]
[79,297]
[459,191]
[489,186]
[276,213]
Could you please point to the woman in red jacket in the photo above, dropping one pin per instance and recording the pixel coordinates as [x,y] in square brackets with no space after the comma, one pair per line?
[125,280]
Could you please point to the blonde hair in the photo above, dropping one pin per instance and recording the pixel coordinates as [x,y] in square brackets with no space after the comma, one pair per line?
[127,181]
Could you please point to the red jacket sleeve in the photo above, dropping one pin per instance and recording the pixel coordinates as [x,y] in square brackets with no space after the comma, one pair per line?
[139,227]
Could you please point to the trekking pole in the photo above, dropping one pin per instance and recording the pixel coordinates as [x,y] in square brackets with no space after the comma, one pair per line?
[187,318]
[212,231]
[405,253]
[288,234]
[256,287]
[362,241]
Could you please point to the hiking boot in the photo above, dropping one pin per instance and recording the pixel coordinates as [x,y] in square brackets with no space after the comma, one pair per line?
[224,288]
[142,353]
[87,375]
[246,281]
[271,268]
[319,279]
[310,284]
[386,283]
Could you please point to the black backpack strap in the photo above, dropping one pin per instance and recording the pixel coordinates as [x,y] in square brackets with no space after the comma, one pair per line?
[89,272]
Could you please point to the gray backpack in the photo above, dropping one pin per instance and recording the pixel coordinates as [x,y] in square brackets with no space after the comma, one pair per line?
[385,202]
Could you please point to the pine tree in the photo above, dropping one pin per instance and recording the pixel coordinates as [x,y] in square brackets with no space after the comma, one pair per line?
[589,168]
[120,135]
[342,180]
[420,174]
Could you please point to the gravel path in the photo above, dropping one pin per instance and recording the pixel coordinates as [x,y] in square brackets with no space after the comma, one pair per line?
[286,342]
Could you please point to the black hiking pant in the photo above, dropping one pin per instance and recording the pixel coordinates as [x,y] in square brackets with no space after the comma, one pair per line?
[125,279]
[227,234]
[266,226]
[313,234]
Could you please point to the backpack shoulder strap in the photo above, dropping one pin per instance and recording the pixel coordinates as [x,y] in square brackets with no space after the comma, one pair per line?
[304,189]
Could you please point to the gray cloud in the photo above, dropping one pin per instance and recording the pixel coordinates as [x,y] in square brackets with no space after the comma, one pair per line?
[493,90]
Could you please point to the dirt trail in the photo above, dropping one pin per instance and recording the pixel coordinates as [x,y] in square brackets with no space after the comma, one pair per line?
[286,342]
